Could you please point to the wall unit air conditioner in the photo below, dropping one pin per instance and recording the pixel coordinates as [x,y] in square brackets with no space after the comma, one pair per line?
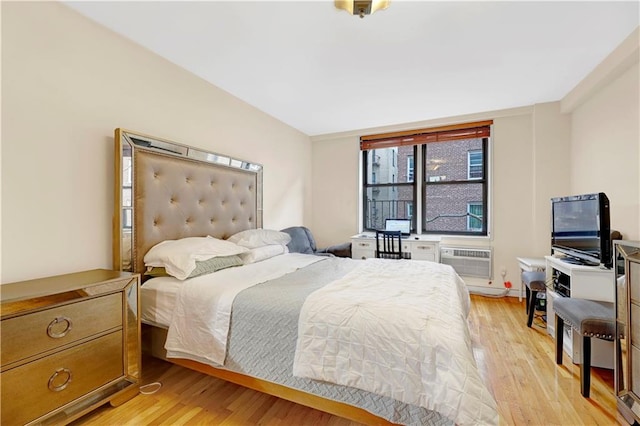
[468,261]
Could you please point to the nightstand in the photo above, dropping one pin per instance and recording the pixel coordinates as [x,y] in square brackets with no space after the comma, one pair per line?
[70,343]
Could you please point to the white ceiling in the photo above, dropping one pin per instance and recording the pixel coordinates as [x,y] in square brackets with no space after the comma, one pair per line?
[321,70]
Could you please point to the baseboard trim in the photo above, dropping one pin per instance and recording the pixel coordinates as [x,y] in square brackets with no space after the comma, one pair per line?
[492,291]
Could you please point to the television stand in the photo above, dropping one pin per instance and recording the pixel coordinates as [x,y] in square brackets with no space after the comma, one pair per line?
[585,282]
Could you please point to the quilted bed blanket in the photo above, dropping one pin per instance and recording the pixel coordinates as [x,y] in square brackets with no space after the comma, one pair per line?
[399,329]
[201,318]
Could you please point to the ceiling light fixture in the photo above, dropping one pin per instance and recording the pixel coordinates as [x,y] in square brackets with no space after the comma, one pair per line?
[361,7]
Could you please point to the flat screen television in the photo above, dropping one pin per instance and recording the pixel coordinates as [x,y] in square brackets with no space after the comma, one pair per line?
[580,228]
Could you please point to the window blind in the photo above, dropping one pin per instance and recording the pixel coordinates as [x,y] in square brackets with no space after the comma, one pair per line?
[479,129]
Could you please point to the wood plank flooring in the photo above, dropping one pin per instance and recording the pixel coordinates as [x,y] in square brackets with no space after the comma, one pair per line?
[517,363]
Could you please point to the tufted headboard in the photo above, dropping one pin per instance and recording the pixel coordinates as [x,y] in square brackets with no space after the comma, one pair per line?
[166,191]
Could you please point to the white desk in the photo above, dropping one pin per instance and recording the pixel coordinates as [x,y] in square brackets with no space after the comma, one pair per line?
[418,247]
[529,264]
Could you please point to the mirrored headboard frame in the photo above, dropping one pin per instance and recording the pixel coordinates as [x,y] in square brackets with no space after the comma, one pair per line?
[135,151]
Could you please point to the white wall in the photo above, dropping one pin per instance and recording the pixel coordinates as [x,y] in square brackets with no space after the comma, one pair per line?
[551,173]
[605,134]
[336,189]
[605,150]
[67,83]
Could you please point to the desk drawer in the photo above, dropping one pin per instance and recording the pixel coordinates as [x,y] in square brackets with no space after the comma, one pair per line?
[364,244]
[36,388]
[363,249]
[421,250]
[38,332]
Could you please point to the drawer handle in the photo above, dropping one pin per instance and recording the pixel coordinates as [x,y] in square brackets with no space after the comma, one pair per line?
[363,244]
[60,372]
[425,247]
[59,334]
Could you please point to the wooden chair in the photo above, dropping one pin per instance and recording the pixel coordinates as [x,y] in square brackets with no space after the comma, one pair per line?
[389,245]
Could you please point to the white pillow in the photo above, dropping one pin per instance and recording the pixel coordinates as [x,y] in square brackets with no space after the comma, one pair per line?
[179,257]
[262,253]
[252,238]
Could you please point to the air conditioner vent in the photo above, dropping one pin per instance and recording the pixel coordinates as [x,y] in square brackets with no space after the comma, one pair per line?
[468,261]
[480,254]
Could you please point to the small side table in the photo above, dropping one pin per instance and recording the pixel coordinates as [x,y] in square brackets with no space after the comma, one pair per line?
[529,264]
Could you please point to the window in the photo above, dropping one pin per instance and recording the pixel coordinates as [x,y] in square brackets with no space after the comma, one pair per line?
[474,216]
[410,168]
[386,194]
[448,187]
[452,179]
[474,164]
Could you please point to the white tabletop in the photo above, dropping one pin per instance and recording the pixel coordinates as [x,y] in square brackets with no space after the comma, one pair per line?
[531,263]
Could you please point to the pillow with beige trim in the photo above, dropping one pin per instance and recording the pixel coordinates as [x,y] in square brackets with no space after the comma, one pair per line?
[203,267]
[179,257]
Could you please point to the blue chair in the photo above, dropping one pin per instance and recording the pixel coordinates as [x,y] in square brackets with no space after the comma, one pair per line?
[302,241]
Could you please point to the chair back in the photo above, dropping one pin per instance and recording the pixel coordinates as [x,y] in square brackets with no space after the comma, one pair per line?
[389,244]
[302,240]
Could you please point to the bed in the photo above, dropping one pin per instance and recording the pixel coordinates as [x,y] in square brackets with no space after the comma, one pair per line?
[276,323]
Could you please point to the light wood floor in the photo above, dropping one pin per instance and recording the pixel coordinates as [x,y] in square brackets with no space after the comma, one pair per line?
[518,365]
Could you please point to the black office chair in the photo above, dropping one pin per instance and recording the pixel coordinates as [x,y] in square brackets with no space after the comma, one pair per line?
[389,245]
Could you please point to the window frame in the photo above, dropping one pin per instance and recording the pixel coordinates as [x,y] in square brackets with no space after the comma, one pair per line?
[418,139]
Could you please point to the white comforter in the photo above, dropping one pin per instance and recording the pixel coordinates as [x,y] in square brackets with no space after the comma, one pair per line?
[399,329]
[200,322]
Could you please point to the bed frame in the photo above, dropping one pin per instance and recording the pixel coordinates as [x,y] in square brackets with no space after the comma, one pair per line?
[165,190]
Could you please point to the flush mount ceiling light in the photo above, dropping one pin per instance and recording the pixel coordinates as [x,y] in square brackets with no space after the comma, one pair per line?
[361,7]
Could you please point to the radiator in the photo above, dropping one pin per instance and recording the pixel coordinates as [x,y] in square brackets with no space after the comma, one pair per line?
[468,261]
